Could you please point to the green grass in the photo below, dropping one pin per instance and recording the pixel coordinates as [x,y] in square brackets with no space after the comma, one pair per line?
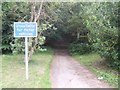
[97,65]
[13,70]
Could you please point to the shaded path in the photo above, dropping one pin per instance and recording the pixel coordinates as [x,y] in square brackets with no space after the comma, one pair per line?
[68,73]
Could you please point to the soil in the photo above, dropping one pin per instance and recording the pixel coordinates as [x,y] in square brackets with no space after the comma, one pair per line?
[69,73]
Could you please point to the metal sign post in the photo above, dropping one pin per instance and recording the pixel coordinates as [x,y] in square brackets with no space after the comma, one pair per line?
[26,56]
[25,29]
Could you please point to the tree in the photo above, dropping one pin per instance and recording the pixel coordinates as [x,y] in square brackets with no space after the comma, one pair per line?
[103,31]
[12,12]
[96,23]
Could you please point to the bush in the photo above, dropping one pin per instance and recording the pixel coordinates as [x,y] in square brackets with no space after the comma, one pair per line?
[80,48]
[107,46]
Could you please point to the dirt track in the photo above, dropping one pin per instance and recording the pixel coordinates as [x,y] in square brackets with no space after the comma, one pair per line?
[68,73]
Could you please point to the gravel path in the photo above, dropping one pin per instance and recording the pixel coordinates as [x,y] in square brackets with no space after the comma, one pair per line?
[68,73]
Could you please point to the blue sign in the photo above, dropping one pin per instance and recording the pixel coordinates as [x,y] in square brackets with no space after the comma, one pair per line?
[25,29]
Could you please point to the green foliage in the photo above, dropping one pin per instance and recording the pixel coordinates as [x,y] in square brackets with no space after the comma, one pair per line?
[12,12]
[18,45]
[107,46]
[98,22]
[104,32]
[79,48]
[101,21]
[51,33]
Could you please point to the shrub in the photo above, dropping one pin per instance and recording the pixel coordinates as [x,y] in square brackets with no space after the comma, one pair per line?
[80,48]
[107,46]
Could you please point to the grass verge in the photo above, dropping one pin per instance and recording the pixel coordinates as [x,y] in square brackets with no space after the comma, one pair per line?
[13,70]
[97,65]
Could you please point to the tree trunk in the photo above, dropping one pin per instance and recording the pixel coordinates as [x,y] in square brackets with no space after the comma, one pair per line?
[35,16]
[78,34]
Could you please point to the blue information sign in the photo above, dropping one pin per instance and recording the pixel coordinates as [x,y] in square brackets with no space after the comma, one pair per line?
[25,29]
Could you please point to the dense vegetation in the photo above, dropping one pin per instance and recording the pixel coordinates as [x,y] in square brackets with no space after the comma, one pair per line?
[88,26]
[101,20]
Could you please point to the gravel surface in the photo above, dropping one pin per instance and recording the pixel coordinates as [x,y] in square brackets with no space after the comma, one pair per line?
[68,73]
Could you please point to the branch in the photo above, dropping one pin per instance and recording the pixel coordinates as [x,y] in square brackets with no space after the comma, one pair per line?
[34,17]
[39,12]
[23,18]
[32,12]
